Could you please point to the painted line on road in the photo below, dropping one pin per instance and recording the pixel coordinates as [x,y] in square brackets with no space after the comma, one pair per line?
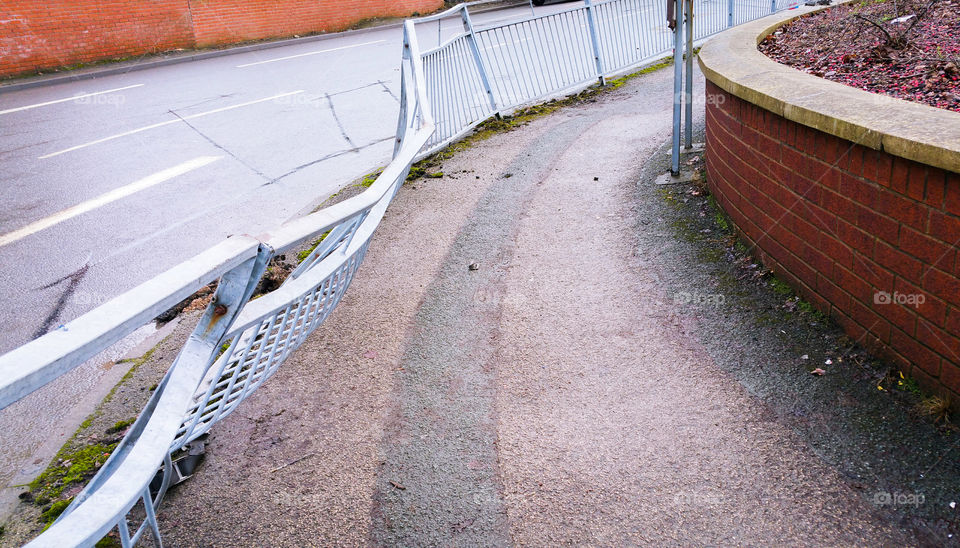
[104,199]
[310,53]
[167,123]
[501,44]
[74,98]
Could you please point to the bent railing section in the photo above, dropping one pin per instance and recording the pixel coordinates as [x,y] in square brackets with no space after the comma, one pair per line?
[239,343]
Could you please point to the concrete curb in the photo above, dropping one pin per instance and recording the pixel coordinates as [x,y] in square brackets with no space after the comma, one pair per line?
[159,60]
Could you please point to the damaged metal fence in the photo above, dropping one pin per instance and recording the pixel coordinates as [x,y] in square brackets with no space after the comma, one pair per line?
[239,343]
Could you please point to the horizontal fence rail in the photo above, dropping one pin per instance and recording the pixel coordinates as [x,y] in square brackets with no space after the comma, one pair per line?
[479,72]
[239,343]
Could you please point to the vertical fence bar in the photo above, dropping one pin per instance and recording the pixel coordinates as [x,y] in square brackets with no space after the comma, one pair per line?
[729,13]
[773,6]
[688,94]
[591,22]
[402,120]
[677,84]
[481,68]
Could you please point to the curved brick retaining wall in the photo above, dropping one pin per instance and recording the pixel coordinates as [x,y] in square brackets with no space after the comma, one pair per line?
[37,35]
[860,214]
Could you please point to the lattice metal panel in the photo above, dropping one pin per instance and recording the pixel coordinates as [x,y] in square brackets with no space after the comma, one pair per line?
[256,354]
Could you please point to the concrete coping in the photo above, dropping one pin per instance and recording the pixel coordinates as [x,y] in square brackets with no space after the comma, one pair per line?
[918,132]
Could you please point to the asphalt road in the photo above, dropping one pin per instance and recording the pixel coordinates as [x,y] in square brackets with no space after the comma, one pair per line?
[234,144]
[109,181]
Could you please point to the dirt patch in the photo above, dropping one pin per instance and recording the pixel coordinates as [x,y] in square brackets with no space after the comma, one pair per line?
[908,49]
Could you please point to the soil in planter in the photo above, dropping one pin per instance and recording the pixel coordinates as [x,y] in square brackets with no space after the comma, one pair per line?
[909,49]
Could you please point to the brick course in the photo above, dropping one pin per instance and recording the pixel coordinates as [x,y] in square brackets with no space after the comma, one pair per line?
[844,223]
[36,36]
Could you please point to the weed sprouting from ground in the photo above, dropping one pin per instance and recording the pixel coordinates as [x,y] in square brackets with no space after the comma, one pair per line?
[936,408]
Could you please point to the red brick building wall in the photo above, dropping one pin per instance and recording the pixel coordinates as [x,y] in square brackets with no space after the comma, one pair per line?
[43,34]
[218,22]
[38,35]
[851,228]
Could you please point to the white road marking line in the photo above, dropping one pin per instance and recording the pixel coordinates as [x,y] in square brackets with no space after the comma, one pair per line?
[501,44]
[74,98]
[311,53]
[104,199]
[167,123]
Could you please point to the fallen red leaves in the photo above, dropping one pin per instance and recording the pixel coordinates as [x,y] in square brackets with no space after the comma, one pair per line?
[908,49]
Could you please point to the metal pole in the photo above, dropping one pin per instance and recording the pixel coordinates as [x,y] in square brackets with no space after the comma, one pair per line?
[729,13]
[472,40]
[773,6]
[595,41]
[677,86]
[533,13]
[688,95]
[402,121]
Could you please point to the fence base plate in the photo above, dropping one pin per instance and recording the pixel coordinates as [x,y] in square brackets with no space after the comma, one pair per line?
[685,176]
[697,147]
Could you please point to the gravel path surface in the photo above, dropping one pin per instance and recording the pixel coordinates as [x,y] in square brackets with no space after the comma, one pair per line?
[554,395]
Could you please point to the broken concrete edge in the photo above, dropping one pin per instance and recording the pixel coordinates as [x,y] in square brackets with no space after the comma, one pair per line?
[914,131]
[110,67]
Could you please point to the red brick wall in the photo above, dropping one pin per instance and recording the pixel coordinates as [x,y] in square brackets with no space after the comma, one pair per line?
[37,35]
[847,225]
[218,22]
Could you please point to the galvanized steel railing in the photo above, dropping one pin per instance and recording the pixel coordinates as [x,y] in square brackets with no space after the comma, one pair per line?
[479,72]
[239,342]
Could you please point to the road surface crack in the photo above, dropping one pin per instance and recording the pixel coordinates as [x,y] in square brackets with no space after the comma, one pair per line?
[328,157]
[387,89]
[73,280]
[221,147]
[343,130]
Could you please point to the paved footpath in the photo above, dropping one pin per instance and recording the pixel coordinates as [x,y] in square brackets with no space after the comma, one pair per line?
[552,396]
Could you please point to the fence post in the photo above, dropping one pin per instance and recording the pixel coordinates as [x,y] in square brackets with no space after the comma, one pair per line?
[773,6]
[677,85]
[729,13]
[402,120]
[595,40]
[481,68]
[688,94]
